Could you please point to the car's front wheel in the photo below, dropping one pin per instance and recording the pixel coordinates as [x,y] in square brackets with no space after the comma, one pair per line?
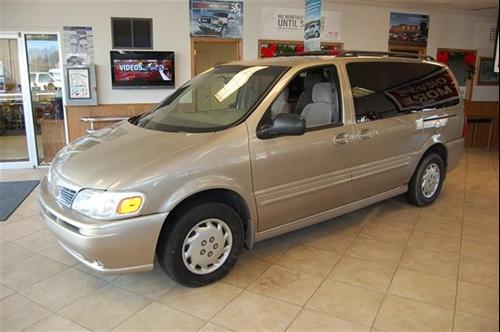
[201,244]
[427,181]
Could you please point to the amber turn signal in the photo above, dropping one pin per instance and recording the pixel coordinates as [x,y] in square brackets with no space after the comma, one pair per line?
[129,205]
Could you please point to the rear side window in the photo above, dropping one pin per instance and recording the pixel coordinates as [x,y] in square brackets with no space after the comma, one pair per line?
[388,89]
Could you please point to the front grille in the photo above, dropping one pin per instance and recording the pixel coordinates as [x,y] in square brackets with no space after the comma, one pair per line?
[65,196]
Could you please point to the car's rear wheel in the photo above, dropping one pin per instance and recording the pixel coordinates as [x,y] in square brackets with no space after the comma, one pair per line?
[427,182]
[201,244]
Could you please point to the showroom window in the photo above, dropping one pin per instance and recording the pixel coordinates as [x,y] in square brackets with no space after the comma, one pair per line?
[132,32]
[313,94]
[387,89]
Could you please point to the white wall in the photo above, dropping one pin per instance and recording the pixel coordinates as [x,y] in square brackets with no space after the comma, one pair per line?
[170,32]
[364,27]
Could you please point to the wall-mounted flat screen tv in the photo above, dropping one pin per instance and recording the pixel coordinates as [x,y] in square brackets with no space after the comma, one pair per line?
[133,69]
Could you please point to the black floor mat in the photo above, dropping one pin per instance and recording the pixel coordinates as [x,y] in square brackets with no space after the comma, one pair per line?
[12,194]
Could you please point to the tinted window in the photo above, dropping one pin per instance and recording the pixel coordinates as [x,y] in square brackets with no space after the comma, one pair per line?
[142,33]
[131,32]
[122,32]
[387,89]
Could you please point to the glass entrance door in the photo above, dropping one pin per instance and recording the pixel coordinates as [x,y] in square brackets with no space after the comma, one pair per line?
[45,76]
[32,127]
[13,129]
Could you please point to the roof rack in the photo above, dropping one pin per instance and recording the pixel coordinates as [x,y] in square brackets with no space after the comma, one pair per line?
[310,53]
[345,54]
[387,54]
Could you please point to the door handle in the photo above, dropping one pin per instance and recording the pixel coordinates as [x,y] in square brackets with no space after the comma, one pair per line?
[341,139]
[365,134]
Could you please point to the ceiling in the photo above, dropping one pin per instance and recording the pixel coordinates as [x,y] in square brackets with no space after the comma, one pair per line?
[479,6]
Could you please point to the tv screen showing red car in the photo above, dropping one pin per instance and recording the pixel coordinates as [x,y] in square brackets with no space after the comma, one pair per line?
[142,69]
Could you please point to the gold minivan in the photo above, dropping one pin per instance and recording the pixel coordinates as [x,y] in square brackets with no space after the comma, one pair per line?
[250,150]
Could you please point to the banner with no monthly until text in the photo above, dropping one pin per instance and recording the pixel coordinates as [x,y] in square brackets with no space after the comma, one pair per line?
[288,24]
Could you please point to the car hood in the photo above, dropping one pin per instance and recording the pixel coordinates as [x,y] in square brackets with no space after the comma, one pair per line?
[99,160]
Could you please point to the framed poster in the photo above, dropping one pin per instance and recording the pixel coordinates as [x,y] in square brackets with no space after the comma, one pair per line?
[408,29]
[78,46]
[486,72]
[216,18]
[79,83]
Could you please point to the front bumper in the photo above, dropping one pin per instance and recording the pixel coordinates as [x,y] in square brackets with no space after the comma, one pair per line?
[120,246]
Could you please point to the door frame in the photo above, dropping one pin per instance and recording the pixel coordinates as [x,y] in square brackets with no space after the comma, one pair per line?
[32,161]
[195,40]
[27,101]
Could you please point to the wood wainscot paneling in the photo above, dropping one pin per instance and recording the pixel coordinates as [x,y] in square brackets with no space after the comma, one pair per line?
[482,108]
[52,138]
[76,128]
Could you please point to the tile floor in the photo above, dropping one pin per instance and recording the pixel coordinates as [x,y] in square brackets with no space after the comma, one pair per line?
[389,267]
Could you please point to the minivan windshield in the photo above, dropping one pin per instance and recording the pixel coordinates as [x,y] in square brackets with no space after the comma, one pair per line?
[212,101]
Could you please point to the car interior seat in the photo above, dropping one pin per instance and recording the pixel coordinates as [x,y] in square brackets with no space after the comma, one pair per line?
[324,108]
[305,97]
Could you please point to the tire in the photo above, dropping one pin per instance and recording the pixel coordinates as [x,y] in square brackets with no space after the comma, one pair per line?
[316,34]
[200,220]
[417,194]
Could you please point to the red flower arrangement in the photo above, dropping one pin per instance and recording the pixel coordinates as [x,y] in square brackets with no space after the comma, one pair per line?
[269,51]
[299,48]
[266,52]
[468,57]
[442,57]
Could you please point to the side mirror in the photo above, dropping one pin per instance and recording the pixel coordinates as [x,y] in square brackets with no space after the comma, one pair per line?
[283,124]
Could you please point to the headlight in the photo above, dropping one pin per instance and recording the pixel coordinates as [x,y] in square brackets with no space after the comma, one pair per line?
[99,204]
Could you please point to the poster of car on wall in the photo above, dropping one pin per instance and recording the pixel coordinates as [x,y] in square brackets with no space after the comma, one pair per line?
[408,29]
[223,19]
